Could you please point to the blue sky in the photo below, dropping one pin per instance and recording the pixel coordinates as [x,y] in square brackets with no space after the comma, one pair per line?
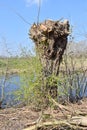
[14,31]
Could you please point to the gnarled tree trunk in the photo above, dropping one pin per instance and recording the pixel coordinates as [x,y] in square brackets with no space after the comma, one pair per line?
[50,38]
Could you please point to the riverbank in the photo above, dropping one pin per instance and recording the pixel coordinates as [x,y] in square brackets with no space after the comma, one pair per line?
[22,65]
[26,117]
[12,71]
[14,65]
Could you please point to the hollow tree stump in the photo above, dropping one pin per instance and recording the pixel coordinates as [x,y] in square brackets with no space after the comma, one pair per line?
[50,38]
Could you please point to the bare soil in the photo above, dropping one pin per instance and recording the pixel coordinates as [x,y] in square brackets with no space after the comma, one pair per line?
[20,118]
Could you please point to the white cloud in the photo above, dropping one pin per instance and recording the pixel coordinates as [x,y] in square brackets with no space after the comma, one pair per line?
[30,2]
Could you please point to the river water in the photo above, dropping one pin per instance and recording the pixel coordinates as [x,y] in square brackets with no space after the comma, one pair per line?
[7,86]
[12,83]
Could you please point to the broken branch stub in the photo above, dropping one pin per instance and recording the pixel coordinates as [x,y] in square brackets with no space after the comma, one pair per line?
[50,38]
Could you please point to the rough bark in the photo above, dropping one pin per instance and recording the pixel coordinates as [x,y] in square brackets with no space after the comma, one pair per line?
[50,38]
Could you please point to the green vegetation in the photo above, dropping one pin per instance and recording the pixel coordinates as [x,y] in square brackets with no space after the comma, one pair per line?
[14,65]
[33,87]
[72,77]
[31,82]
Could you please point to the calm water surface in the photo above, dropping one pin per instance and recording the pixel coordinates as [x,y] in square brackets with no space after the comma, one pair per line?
[9,85]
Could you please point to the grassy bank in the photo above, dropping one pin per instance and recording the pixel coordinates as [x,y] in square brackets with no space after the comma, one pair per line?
[20,65]
[14,65]
[17,65]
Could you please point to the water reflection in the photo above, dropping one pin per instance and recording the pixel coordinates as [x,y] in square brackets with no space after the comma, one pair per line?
[7,86]
[76,87]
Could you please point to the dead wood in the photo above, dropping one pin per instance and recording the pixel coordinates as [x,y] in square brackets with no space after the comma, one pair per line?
[79,120]
[61,106]
[64,124]
[47,124]
[50,38]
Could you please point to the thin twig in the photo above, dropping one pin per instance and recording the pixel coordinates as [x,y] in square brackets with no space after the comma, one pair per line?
[15,12]
[39,11]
